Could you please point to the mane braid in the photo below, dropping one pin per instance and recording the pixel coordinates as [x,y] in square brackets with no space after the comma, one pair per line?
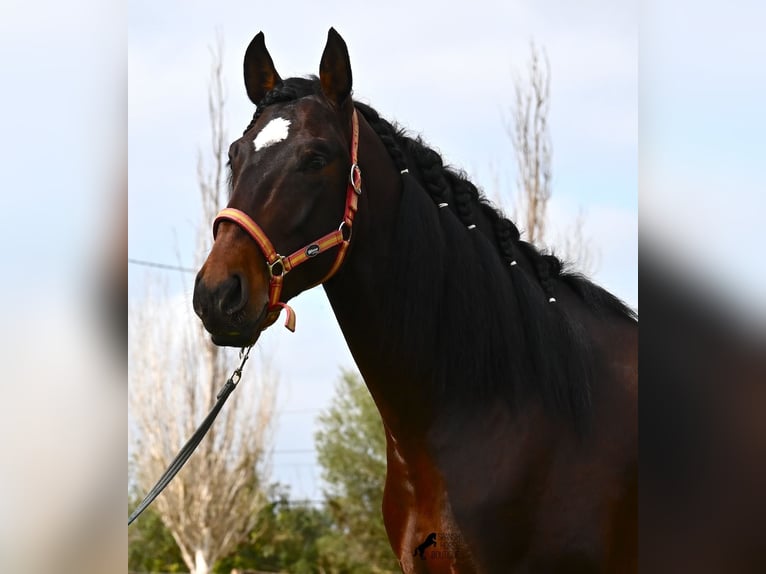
[446,185]
[458,288]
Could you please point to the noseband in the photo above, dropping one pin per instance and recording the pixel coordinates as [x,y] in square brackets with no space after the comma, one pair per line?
[278,265]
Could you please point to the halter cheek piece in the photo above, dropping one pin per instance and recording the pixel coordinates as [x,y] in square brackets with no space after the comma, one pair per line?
[280,266]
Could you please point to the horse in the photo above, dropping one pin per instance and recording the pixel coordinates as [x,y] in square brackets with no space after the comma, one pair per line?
[507,384]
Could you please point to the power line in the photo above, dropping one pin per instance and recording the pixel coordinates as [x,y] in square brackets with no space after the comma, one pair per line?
[164,266]
[302,411]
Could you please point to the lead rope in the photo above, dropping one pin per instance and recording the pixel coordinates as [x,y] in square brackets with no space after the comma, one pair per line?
[187,450]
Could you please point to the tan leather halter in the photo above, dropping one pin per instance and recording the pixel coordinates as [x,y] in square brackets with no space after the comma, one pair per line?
[280,266]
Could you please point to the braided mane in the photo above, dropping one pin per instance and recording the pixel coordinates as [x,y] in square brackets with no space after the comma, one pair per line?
[534,346]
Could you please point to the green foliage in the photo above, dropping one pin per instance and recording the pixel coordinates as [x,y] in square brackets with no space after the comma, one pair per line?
[351,448]
[285,540]
[151,547]
[345,537]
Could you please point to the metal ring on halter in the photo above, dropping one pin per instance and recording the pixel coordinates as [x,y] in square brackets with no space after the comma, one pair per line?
[343,226]
[271,267]
[355,170]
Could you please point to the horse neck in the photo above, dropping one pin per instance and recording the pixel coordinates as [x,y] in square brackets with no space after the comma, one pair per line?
[356,293]
[431,315]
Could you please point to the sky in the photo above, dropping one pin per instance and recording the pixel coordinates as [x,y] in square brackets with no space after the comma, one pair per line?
[702,123]
[445,72]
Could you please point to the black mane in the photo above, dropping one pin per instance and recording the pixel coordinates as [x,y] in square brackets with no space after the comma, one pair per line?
[471,283]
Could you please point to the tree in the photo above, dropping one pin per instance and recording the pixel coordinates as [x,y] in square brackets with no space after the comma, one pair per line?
[351,449]
[175,374]
[286,540]
[530,135]
[532,144]
[151,547]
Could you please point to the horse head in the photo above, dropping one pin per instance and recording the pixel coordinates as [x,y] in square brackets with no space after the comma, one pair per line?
[293,183]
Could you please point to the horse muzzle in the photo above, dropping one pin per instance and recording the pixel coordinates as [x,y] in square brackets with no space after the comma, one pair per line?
[223,308]
[231,291]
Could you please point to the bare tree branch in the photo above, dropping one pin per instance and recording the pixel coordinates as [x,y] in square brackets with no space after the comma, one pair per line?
[530,135]
[532,145]
[576,248]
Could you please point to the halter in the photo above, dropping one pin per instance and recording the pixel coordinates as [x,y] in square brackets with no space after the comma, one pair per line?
[280,266]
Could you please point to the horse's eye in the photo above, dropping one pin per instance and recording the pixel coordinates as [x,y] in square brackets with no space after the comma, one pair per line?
[315,163]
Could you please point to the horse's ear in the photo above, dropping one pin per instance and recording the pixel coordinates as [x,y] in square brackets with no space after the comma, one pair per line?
[260,74]
[335,70]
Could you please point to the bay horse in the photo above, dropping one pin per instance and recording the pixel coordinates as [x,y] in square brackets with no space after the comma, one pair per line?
[507,385]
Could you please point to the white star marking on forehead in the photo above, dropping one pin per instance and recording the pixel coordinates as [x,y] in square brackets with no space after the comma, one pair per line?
[274,131]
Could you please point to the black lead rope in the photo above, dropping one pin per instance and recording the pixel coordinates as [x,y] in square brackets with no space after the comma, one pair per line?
[187,450]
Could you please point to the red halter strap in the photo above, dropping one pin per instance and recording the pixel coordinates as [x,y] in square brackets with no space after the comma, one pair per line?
[280,266]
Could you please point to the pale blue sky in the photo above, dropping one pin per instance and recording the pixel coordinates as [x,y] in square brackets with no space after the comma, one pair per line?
[702,143]
[443,71]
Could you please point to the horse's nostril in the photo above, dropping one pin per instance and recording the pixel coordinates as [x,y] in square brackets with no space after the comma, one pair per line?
[200,298]
[233,295]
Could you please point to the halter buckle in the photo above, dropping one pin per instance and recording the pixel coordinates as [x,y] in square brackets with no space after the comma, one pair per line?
[355,182]
[278,261]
